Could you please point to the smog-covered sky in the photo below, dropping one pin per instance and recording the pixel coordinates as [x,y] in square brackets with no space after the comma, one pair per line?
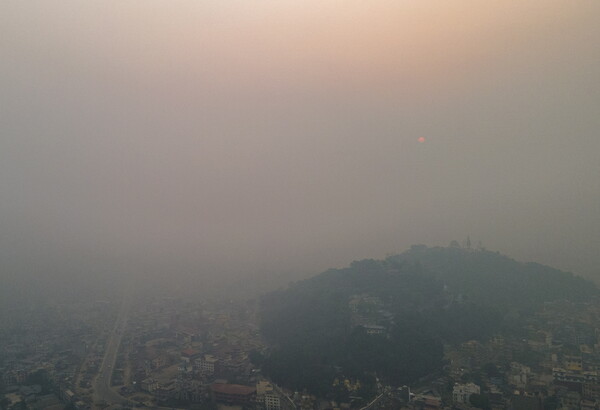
[244,138]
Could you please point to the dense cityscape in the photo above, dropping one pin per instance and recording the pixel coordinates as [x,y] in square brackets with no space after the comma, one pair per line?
[299,205]
[153,351]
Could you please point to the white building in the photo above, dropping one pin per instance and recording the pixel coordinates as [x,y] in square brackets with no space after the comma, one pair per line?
[207,364]
[462,392]
[149,385]
[272,401]
[267,396]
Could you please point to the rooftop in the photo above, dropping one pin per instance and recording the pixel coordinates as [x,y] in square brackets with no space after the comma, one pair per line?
[233,389]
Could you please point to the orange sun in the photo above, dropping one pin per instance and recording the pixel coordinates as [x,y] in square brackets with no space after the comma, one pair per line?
[421,139]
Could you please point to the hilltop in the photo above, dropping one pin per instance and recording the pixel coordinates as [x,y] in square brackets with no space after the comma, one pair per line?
[390,318]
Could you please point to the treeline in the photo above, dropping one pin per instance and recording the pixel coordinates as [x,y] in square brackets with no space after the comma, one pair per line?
[489,278]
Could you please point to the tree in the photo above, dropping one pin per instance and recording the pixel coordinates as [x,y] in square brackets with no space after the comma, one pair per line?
[480,401]
[491,370]
[256,358]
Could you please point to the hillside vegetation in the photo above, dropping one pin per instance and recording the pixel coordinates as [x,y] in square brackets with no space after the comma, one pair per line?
[390,318]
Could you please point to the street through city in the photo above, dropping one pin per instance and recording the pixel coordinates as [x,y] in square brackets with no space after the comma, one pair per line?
[104,394]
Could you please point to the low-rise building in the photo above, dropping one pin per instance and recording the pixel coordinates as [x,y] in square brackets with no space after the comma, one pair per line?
[462,392]
[208,364]
[232,393]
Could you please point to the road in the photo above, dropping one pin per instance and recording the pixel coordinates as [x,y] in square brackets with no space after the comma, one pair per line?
[103,393]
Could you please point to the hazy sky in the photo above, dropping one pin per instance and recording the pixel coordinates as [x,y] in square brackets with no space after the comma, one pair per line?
[278,136]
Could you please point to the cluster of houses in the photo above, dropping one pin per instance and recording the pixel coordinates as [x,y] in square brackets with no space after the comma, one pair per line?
[179,353]
[47,353]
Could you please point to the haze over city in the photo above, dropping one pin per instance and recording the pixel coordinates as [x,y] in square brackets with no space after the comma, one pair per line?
[299,205]
[231,140]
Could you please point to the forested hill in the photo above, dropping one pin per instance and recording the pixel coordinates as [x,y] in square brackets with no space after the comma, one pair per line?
[493,279]
[391,317]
